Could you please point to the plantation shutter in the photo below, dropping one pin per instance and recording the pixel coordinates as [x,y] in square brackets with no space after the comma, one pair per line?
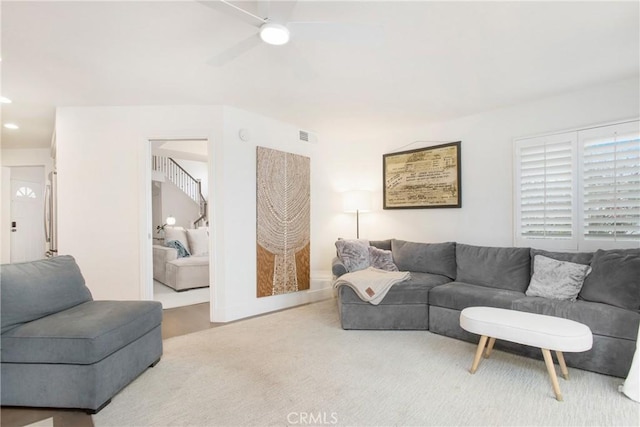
[610,176]
[545,191]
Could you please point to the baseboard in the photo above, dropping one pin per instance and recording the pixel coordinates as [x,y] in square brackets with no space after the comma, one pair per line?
[321,289]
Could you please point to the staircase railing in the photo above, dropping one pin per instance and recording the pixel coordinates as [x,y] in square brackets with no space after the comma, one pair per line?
[182,179]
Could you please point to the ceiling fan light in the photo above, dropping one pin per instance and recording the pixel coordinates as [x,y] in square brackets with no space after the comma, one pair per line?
[274,34]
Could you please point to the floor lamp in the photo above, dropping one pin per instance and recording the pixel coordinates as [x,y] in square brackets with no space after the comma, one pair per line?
[357,201]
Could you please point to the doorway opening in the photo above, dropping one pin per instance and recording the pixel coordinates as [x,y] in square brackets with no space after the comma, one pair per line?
[180,221]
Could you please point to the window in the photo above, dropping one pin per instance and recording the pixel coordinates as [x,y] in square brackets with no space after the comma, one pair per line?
[579,190]
[26,192]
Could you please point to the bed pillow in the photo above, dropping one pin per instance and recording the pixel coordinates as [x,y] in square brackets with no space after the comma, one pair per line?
[381,259]
[354,254]
[559,280]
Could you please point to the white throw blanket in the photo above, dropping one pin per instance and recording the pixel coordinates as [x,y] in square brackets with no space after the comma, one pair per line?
[372,284]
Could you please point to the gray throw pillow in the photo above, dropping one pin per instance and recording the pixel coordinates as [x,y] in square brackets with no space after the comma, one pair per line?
[553,279]
[614,279]
[381,259]
[354,254]
[577,257]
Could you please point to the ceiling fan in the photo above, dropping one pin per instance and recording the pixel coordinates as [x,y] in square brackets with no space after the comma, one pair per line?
[274,28]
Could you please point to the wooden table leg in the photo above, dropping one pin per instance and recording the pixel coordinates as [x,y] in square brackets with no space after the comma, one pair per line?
[563,366]
[492,341]
[548,360]
[479,350]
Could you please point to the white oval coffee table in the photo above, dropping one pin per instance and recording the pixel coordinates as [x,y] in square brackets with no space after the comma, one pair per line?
[536,330]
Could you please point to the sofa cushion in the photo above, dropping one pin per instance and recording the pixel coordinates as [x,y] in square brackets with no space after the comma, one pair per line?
[434,258]
[84,334]
[457,296]
[198,241]
[603,319]
[415,290]
[576,257]
[36,289]
[381,259]
[556,279]
[614,279]
[502,268]
[354,254]
[179,234]
[381,244]
[337,267]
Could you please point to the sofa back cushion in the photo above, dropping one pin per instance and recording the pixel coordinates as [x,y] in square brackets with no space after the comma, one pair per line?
[198,239]
[435,258]
[179,234]
[614,279]
[31,290]
[502,268]
[381,244]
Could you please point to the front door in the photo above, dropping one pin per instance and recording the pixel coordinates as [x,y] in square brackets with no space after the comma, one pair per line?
[27,221]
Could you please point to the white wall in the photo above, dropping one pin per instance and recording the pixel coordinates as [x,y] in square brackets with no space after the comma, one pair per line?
[237,241]
[103,178]
[9,158]
[101,153]
[486,214]
[174,202]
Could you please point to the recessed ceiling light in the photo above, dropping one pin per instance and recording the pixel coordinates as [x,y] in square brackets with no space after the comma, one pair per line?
[11,126]
[275,34]
[4,100]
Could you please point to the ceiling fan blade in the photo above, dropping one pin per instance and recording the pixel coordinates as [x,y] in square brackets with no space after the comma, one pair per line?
[235,51]
[224,6]
[359,34]
[281,11]
[263,8]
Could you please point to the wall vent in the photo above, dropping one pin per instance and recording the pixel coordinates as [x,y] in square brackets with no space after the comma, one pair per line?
[307,136]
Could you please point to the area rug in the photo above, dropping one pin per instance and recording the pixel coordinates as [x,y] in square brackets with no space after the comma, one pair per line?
[298,367]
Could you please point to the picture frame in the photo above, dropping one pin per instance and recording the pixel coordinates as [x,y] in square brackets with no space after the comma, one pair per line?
[423,178]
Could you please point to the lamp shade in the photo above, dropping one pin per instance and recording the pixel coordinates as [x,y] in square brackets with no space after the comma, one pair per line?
[356,201]
[171,220]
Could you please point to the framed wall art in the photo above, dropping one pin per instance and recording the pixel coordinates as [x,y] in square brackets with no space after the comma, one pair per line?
[283,222]
[422,178]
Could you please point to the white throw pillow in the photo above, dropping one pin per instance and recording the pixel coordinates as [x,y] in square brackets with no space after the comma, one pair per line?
[198,241]
[177,233]
[553,279]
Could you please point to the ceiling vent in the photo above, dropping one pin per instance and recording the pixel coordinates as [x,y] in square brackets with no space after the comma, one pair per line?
[307,136]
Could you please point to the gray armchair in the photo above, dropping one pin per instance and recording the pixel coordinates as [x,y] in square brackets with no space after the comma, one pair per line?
[62,349]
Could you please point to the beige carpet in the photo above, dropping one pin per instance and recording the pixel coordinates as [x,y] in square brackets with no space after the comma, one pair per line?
[297,367]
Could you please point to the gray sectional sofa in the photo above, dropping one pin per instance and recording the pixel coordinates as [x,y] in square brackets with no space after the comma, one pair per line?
[448,277]
[62,349]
